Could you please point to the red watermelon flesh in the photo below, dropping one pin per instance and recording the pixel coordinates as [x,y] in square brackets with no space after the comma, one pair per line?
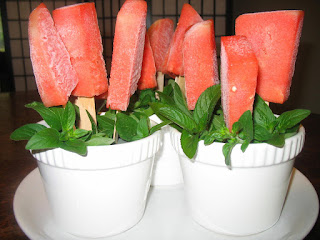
[174,58]
[199,60]
[128,46]
[78,27]
[239,71]
[148,71]
[160,34]
[275,39]
[54,74]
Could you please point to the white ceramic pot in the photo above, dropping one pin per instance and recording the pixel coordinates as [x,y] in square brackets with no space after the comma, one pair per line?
[167,169]
[102,194]
[245,200]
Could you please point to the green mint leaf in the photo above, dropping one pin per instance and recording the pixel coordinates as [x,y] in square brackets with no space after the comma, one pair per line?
[159,126]
[205,105]
[68,117]
[220,135]
[111,114]
[79,133]
[189,143]
[244,145]
[106,125]
[226,150]
[166,98]
[64,136]
[211,137]
[51,115]
[143,128]
[26,132]
[180,100]
[145,111]
[291,118]
[175,115]
[126,126]
[93,124]
[168,89]
[247,125]
[99,141]
[217,121]
[262,114]
[261,133]
[146,96]
[76,145]
[45,139]
[277,140]
[237,127]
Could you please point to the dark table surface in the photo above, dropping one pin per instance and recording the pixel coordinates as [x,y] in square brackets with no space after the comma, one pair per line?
[16,163]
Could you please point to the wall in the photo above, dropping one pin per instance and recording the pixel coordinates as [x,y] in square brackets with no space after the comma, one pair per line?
[305,89]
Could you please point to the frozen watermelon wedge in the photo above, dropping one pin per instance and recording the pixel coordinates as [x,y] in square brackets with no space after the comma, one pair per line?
[275,39]
[53,71]
[174,58]
[160,34]
[239,71]
[148,71]
[199,60]
[78,27]
[128,46]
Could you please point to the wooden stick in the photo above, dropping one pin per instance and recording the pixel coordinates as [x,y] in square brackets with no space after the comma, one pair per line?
[115,133]
[182,83]
[86,104]
[160,81]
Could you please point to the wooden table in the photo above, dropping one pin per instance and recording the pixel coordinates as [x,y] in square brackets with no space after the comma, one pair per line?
[16,163]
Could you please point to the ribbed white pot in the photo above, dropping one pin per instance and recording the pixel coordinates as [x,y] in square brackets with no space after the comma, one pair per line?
[167,169]
[102,194]
[245,200]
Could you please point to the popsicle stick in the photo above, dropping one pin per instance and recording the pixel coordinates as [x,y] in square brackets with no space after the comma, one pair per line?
[160,81]
[115,133]
[180,80]
[86,104]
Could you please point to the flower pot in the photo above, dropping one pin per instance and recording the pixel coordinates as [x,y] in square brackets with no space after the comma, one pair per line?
[103,193]
[167,169]
[246,199]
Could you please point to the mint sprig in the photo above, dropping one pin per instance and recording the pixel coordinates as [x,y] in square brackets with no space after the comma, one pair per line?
[61,132]
[206,122]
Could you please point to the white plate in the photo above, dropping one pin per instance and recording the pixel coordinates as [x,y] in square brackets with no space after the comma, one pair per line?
[166,216]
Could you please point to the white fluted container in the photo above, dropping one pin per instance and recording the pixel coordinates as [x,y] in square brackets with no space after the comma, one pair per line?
[167,169]
[102,194]
[245,200]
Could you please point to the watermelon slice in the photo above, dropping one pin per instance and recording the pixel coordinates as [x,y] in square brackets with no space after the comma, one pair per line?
[128,46]
[275,39]
[78,27]
[148,71]
[199,60]
[54,74]
[174,58]
[239,71]
[160,34]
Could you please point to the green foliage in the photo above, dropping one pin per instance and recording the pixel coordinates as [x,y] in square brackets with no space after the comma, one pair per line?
[62,132]
[206,122]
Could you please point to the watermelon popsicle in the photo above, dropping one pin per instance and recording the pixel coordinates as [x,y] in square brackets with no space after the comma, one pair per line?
[128,46]
[275,39]
[174,60]
[160,34]
[78,27]
[239,71]
[54,73]
[199,60]
[148,71]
